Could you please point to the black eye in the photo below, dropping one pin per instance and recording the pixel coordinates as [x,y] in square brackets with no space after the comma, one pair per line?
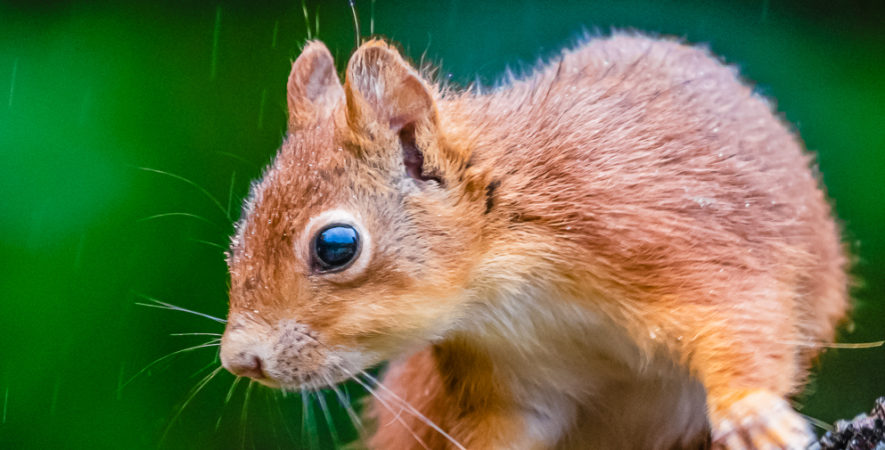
[335,247]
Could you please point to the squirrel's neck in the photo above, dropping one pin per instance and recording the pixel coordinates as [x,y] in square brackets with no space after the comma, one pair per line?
[545,357]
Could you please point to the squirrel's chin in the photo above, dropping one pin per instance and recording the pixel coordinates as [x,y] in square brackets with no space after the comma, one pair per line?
[340,367]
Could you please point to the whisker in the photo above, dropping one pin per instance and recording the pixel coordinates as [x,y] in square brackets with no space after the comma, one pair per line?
[230,393]
[233,387]
[307,420]
[396,416]
[230,192]
[283,416]
[356,22]
[211,363]
[238,157]
[346,393]
[303,405]
[345,402]
[195,185]
[182,214]
[195,334]
[245,412]
[163,305]
[329,423]
[209,243]
[399,399]
[316,22]
[212,343]
[411,409]
[273,429]
[306,20]
[817,422]
[199,387]
[835,345]
[372,20]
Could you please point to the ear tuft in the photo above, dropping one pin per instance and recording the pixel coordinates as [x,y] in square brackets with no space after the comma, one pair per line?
[313,89]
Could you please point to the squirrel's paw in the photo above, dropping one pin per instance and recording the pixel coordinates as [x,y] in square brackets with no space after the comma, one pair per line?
[762,421]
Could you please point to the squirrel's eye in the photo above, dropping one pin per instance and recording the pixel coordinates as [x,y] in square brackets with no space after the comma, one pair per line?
[335,247]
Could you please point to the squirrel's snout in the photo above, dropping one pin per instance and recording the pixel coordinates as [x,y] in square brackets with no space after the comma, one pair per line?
[244,364]
[242,357]
[287,354]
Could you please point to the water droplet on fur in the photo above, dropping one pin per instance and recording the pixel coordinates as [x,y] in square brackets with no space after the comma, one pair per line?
[703,202]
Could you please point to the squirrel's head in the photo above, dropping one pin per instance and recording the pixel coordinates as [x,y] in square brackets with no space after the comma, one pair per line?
[358,242]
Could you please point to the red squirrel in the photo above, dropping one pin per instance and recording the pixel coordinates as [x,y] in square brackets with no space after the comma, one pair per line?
[625,248]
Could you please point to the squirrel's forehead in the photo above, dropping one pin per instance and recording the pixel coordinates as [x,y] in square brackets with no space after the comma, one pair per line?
[286,198]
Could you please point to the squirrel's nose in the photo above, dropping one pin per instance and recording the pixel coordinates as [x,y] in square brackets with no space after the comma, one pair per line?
[244,364]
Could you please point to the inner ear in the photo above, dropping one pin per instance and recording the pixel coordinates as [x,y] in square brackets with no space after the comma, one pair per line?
[413,157]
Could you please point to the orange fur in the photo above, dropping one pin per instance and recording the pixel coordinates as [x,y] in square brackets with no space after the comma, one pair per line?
[584,257]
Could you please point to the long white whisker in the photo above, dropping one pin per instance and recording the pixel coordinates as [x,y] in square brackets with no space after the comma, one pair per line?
[273,428]
[307,420]
[159,304]
[200,385]
[214,362]
[329,423]
[195,334]
[395,416]
[398,414]
[212,343]
[411,409]
[223,248]
[245,412]
[283,416]
[834,345]
[349,409]
[182,214]
[817,422]
[399,399]
[195,185]
[233,387]
[230,393]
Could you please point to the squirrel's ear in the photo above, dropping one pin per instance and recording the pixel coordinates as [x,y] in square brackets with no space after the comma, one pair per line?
[387,99]
[383,91]
[313,89]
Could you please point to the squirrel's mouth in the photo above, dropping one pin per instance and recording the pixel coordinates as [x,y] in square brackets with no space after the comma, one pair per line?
[291,356]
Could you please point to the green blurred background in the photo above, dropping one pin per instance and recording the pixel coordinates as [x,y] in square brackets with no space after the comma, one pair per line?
[91,92]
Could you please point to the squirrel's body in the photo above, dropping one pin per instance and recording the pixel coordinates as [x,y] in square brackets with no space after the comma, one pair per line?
[626,249]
